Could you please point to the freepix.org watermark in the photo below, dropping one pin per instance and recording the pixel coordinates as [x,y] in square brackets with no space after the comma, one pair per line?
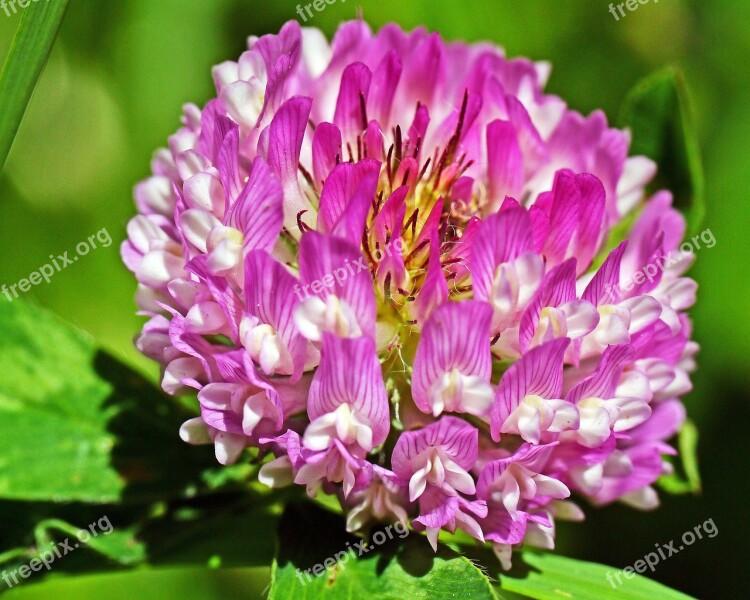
[350,269]
[10,5]
[56,550]
[650,560]
[46,272]
[318,5]
[342,557]
[631,5]
[648,272]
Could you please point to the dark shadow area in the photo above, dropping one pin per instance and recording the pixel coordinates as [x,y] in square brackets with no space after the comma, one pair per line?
[310,534]
[149,455]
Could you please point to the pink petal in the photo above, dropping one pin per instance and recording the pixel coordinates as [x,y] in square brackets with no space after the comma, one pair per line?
[604,287]
[455,436]
[603,381]
[383,88]
[337,267]
[501,238]
[326,151]
[258,212]
[352,100]
[457,336]
[361,387]
[286,133]
[271,295]
[341,188]
[504,163]
[538,372]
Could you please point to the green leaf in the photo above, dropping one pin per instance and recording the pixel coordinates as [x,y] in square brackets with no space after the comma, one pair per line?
[54,441]
[220,530]
[31,47]
[83,437]
[393,570]
[690,483]
[548,576]
[657,111]
[75,425]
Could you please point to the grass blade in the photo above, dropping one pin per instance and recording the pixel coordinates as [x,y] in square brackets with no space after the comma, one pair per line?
[31,47]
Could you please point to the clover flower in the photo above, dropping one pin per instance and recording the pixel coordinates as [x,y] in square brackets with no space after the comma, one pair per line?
[383,264]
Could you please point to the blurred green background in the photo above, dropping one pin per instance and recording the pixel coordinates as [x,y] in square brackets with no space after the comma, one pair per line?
[112,93]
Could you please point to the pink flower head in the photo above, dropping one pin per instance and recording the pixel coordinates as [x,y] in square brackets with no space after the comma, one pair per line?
[373,260]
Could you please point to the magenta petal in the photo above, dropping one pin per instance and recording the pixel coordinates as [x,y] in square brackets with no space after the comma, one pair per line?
[288,397]
[539,226]
[534,150]
[460,251]
[534,458]
[592,219]
[293,394]
[658,217]
[350,114]
[339,269]
[271,295]
[564,217]
[383,89]
[352,39]
[287,130]
[214,128]
[538,372]
[501,238]
[436,508]
[340,189]
[231,368]
[326,151]
[389,221]
[361,388]
[439,509]
[647,466]
[418,130]
[500,527]
[351,225]
[504,162]
[434,291]
[229,169]
[665,421]
[559,287]
[604,286]
[457,336]
[388,227]
[454,436]
[281,54]
[425,70]
[374,141]
[602,382]
[221,290]
[226,421]
[258,212]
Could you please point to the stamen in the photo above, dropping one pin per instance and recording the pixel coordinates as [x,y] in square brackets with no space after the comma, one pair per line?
[398,143]
[363,110]
[388,166]
[412,221]
[303,227]
[416,250]
[406,177]
[424,169]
